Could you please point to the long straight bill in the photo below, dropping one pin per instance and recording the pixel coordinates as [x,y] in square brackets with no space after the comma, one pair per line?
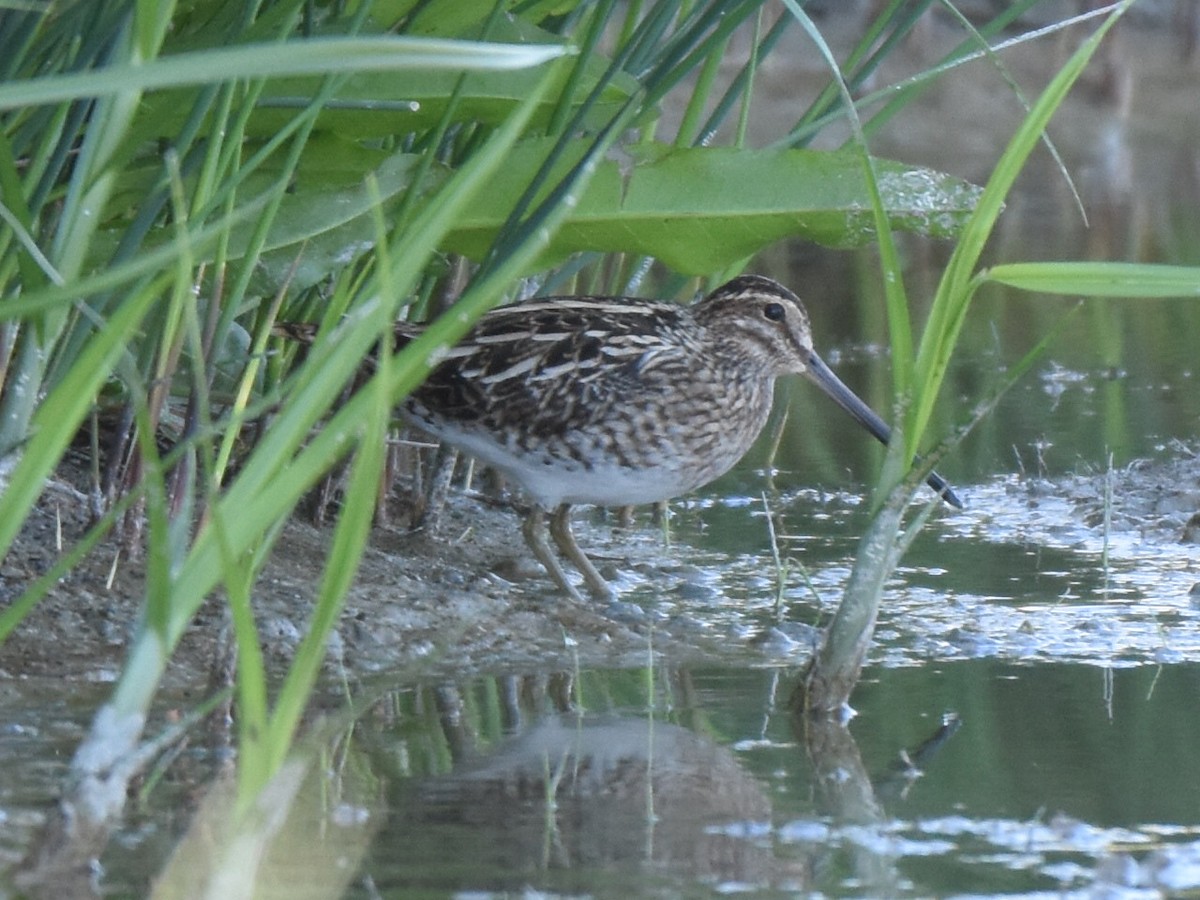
[824,378]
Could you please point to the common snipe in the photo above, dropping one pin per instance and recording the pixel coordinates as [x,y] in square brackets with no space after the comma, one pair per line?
[619,401]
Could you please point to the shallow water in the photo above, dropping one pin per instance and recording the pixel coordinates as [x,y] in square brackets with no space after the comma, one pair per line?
[1059,777]
[970,777]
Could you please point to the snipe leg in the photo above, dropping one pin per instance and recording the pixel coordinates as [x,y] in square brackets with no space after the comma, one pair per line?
[534,529]
[560,530]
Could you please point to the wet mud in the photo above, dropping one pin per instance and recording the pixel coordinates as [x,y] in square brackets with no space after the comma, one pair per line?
[462,597]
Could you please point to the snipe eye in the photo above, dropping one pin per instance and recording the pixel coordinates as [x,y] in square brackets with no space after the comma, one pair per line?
[775,312]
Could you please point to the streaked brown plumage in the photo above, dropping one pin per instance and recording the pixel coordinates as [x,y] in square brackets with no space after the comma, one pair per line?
[619,401]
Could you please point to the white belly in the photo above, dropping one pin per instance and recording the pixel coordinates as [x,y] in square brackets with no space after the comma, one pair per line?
[553,480]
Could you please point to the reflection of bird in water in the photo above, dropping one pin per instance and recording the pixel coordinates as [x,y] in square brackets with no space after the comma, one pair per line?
[611,790]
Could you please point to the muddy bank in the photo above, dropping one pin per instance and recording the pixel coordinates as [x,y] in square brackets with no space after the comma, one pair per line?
[461,597]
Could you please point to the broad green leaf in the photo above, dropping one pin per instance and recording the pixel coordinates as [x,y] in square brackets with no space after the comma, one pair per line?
[375,104]
[323,223]
[373,101]
[325,220]
[697,210]
[701,209]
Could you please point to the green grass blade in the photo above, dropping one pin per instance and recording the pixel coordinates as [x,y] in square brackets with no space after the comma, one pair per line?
[200,241]
[1097,279]
[300,57]
[276,476]
[899,454]
[956,288]
[895,97]
[350,540]
[59,415]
